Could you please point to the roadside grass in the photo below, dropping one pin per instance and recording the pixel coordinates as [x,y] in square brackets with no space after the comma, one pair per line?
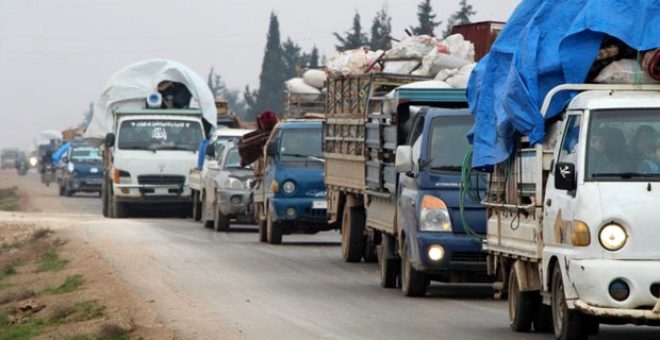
[107,332]
[9,198]
[18,295]
[51,261]
[81,311]
[4,286]
[24,330]
[71,283]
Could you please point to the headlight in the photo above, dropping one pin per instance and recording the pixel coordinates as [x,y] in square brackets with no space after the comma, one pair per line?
[434,215]
[288,187]
[612,237]
[70,167]
[33,161]
[234,183]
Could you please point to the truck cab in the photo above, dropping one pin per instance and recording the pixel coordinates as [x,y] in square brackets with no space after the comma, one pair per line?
[439,227]
[292,189]
[148,158]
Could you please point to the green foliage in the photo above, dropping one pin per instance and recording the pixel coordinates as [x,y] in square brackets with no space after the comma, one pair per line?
[4,286]
[50,261]
[219,89]
[462,16]
[27,329]
[354,38]
[71,283]
[7,270]
[426,17]
[312,58]
[107,332]
[381,28]
[271,80]
[9,199]
[292,59]
[81,311]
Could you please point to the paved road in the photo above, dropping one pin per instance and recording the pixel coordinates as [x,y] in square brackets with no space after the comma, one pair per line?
[228,285]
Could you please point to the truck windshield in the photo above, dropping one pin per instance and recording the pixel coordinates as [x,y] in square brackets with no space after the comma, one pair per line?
[159,135]
[85,154]
[623,144]
[299,144]
[448,144]
[233,160]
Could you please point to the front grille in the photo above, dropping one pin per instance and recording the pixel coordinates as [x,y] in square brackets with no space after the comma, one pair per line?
[316,213]
[468,257]
[161,179]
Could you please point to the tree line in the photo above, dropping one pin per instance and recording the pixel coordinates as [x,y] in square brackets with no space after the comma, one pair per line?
[285,60]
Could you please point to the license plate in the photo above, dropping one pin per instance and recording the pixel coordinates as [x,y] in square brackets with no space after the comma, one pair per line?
[94,170]
[319,204]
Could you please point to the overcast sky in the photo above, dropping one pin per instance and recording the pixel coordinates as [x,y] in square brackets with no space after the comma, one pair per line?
[57,55]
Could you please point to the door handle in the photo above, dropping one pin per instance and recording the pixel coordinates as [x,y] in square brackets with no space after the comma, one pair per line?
[548,202]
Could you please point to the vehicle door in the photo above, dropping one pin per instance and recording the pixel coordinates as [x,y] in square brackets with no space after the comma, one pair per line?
[559,204]
[407,192]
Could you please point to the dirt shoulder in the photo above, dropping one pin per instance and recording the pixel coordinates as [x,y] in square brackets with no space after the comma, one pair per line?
[53,285]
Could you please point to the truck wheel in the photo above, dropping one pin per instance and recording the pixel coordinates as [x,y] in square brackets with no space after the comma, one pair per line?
[274,229]
[207,223]
[352,234]
[370,252]
[413,282]
[118,209]
[521,304]
[387,268]
[542,316]
[104,198]
[68,192]
[220,222]
[196,206]
[567,323]
[61,191]
[261,220]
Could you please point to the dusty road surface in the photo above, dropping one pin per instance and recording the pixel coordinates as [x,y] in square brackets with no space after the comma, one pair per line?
[208,285]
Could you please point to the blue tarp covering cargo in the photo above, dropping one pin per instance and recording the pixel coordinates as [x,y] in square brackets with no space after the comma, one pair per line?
[545,44]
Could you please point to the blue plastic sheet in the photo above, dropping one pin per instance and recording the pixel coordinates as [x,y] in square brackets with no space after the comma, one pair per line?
[546,43]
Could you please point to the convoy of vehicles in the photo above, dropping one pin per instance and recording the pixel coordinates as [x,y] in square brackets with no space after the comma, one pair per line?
[289,192]
[409,210]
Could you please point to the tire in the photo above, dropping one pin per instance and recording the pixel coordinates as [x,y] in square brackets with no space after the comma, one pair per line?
[196,207]
[61,190]
[568,324]
[118,209]
[274,229]
[68,192]
[542,316]
[263,227]
[370,251]
[352,234]
[220,221]
[209,224]
[388,269]
[521,304]
[413,282]
[104,197]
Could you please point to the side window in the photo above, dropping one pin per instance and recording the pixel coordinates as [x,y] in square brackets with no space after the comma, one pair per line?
[417,129]
[569,143]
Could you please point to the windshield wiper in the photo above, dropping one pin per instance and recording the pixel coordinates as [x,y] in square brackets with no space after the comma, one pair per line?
[447,167]
[299,155]
[624,175]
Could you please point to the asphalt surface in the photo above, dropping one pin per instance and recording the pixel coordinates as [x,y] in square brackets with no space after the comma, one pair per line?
[219,285]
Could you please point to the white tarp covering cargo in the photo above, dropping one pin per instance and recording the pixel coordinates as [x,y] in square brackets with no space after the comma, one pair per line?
[131,85]
[45,137]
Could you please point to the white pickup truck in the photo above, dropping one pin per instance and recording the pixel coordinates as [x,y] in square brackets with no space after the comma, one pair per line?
[201,178]
[573,222]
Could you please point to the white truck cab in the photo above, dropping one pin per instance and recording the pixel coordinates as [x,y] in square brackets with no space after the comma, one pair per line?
[573,224]
[150,154]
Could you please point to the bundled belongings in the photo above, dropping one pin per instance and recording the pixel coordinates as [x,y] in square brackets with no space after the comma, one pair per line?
[251,147]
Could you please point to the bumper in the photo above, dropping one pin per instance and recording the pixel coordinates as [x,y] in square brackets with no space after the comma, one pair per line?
[592,278]
[461,253]
[86,184]
[234,202]
[153,194]
[306,210]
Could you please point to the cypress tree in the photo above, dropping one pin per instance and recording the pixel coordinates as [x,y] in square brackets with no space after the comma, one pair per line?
[270,95]
[381,28]
[354,38]
[426,19]
[462,16]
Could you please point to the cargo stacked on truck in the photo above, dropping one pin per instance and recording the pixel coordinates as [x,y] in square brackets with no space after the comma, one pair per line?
[573,192]
[151,118]
[394,156]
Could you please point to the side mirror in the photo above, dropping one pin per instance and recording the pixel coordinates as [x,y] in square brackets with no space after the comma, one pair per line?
[210,150]
[65,159]
[404,161]
[565,176]
[110,139]
[271,148]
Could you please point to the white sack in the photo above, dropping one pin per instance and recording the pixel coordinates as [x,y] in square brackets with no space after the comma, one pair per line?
[460,79]
[458,47]
[412,47]
[299,91]
[315,78]
[131,85]
[624,71]
[355,61]
[436,61]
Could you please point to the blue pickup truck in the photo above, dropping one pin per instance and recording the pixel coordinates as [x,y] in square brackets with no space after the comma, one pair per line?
[289,194]
[395,181]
